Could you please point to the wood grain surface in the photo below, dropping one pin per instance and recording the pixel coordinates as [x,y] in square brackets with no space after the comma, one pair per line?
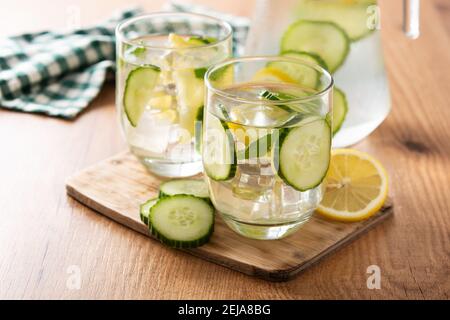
[116,187]
[43,232]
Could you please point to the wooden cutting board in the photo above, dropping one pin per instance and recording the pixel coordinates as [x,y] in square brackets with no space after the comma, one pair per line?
[117,186]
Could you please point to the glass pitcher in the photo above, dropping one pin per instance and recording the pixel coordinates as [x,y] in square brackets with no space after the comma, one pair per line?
[344,37]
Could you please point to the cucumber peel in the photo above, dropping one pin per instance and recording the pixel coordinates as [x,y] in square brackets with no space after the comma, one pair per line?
[340,108]
[220,143]
[144,209]
[198,130]
[138,91]
[323,38]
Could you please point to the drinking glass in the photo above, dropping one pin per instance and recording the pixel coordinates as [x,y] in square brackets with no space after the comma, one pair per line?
[266,142]
[161,62]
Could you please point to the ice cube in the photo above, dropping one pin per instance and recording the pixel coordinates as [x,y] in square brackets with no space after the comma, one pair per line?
[151,134]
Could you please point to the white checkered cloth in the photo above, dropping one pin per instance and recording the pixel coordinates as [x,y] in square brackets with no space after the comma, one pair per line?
[59,74]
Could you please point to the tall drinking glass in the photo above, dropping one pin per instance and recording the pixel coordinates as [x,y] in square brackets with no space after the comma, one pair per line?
[161,62]
[266,142]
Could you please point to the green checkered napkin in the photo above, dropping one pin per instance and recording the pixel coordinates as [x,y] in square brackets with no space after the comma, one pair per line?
[59,74]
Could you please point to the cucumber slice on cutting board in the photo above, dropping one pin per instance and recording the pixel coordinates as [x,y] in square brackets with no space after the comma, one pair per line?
[219,155]
[350,15]
[193,187]
[138,91]
[145,209]
[302,154]
[182,221]
[323,38]
[340,108]
[303,75]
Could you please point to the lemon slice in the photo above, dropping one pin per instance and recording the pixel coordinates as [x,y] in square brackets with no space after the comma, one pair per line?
[271,74]
[241,134]
[177,41]
[166,117]
[161,101]
[356,186]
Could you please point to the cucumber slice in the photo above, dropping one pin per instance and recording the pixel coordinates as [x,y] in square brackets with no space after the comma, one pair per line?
[302,154]
[303,75]
[324,38]
[198,130]
[277,97]
[138,91]
[200,73]
[144,209]
[191,187]
[219,155]
[352,16]
[307,56]
[224,112]
[199,40]
[304,109]
[340,108]
[190,95]
[182,221]
[222,77]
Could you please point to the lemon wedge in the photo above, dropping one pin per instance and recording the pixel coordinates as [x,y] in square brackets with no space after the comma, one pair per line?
[166,117]
[161,101]
[272,75]
[356,186]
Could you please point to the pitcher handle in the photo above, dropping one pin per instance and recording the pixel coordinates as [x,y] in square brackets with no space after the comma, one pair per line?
[411,12]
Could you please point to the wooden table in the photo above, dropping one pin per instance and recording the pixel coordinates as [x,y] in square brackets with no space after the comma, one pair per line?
[45,237]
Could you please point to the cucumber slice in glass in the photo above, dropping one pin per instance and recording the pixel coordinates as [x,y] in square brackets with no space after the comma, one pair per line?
[144,209]
[350,15]
[219,155]
[302,155]
[182,221]
[198,130]
[303,75]
[193,187]
[304,109]
[323,38]
[199,40]
[138,91]
[222,77]
[340,108]
[200,73]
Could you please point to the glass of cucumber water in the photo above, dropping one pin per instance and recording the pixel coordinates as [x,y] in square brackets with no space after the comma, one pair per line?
[161,62]
[266,142]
